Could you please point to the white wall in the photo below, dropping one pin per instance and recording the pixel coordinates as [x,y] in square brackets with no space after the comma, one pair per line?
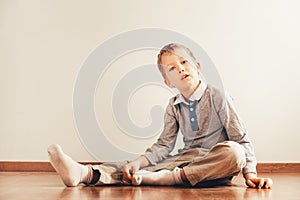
[254,44]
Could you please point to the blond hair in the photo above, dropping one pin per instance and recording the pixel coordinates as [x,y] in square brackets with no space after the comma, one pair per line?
[171,49]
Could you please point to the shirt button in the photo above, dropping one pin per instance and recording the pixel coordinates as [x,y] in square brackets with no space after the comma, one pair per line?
[192,119]
[191,109]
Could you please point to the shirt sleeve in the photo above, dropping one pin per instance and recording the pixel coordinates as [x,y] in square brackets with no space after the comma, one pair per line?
[166,141]
[236,131]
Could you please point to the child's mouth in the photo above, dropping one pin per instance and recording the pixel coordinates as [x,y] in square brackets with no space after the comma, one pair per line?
[184,76]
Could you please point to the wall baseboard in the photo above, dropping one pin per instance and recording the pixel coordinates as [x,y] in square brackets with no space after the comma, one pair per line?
[10,166]
[278,167]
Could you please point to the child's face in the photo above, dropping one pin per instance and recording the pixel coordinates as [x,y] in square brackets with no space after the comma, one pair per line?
[182,72]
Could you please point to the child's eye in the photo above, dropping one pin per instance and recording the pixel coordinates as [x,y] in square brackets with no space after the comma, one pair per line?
[171,68]
[184,62]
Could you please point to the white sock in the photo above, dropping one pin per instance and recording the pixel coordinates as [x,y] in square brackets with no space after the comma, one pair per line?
[71,172]
[162,177]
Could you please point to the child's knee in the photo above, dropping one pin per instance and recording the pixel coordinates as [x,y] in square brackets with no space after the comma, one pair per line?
[237,153]
[234,152]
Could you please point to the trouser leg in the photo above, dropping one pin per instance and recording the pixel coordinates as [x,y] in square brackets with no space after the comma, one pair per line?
[110,173]
[178,160]
[224,160]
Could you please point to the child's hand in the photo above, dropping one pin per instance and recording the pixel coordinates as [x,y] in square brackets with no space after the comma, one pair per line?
[129,170]
[132,167]
[253,181]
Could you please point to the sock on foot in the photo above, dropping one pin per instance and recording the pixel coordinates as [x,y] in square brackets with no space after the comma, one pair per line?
[163,177]
[71,172]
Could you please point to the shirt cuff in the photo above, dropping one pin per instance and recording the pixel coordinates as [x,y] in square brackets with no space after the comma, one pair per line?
[249,169]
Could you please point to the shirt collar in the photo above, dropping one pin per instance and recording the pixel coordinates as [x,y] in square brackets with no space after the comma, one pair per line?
[195,96]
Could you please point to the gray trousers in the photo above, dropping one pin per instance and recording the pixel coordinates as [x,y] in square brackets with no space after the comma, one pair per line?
[224,160]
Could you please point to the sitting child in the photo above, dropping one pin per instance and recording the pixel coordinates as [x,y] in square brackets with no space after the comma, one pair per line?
[216,142]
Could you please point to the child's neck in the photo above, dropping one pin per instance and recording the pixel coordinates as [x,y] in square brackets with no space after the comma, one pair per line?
[187,94]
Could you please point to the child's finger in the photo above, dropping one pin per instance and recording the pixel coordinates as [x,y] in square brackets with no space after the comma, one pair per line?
[125,181]
[133,171]
[268,183]
[261,183]
[250,183]
[126,173]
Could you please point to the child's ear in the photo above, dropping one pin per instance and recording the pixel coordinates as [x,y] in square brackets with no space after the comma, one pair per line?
[198,67]
[168,83]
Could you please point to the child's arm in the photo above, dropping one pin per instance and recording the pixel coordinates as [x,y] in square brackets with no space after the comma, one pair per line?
[159,150]
[235,129]
[237,132]
[253,181]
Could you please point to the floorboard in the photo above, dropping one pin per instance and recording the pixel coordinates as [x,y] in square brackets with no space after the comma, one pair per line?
[47,185]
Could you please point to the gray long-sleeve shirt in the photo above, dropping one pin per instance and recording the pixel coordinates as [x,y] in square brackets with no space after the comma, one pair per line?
[209,117]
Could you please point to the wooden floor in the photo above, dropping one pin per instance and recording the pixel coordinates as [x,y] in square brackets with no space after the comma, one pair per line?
[47,185]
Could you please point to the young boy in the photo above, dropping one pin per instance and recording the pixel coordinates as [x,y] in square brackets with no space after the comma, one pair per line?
[216,144]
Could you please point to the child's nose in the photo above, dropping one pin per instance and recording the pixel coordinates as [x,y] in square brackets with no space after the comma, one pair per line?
[180,69]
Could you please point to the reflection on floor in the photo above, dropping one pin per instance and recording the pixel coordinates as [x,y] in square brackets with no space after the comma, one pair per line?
[29,185]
